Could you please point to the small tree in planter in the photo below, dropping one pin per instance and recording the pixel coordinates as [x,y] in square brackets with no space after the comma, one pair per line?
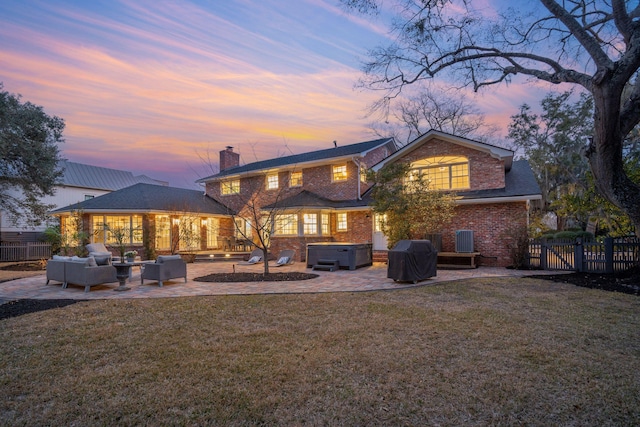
[121,237]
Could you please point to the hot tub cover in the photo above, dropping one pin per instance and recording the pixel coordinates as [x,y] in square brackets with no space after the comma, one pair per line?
[412,261]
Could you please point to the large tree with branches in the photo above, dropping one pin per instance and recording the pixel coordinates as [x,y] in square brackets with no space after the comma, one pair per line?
[591,43]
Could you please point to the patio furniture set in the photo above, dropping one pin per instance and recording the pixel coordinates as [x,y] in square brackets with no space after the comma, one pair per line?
[99,267]
[102,267]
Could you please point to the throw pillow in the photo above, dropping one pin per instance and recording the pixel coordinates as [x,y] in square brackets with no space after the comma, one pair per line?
[102,259]
[91,262]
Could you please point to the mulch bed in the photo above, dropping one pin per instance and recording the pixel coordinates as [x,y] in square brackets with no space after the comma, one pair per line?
[26,306]
[627,282]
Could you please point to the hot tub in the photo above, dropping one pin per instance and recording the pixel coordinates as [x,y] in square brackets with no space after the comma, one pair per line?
[348,255]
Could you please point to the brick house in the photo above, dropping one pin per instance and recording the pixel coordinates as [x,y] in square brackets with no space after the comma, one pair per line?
[323,196]
[313,197]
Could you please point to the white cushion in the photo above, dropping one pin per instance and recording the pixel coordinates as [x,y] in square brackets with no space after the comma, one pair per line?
[283,260]
[254,259]
[61,258]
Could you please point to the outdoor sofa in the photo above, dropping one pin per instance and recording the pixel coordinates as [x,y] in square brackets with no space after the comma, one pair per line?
[79,271]
[166,267]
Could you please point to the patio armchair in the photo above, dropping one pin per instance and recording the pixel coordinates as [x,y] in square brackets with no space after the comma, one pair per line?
[56,269]
[166,267]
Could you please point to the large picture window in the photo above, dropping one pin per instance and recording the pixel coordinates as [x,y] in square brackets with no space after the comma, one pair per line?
[105,226]
[443,172]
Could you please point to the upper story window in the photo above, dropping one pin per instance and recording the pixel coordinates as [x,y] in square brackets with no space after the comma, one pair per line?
[339,173]
[230,187]
[272,181]
[295,179]
[88,196]
[443,172]
[363,174]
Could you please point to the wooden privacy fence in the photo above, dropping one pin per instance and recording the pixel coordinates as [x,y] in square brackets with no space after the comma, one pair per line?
[24,251]
[611,255]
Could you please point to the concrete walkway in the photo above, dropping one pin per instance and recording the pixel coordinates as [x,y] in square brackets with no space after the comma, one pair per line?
[363,279]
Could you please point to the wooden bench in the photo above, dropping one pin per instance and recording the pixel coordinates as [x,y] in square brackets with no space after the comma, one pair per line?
[449,259]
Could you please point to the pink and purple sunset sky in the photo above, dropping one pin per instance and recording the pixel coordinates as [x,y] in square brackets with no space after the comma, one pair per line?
[155,86]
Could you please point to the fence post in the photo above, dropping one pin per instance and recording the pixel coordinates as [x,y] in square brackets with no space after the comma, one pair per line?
[578,255]
[543,254]
[608,255]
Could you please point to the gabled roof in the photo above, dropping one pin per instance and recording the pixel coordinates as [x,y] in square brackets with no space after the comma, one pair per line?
[99,178]
[344,151]
[150,198]
[494,151]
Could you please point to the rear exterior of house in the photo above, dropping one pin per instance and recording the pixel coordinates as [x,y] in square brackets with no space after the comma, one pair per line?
[322,196]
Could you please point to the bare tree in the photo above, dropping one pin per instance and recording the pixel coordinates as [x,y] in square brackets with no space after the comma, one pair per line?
[414,115]
[590,43]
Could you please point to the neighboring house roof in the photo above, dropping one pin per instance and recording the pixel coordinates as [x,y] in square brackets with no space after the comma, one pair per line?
[494,151]
[344,151]
[150,198]
[99,178]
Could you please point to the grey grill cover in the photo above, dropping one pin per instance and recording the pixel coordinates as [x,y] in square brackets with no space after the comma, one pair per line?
[412,260]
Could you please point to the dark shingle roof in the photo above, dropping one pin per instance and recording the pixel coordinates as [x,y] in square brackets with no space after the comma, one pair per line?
[96,177]
[340,151]
[519,181]
[147,198]
[307,199]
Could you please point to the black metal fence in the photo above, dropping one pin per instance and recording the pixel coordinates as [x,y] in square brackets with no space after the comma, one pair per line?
[611,255]
[24,251]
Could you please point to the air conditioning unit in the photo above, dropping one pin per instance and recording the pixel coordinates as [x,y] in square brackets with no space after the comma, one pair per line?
[464,241]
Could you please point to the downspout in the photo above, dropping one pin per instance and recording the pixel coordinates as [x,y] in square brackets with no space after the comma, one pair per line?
[358,164]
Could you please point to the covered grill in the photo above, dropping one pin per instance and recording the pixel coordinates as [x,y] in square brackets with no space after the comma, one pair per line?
[412,261]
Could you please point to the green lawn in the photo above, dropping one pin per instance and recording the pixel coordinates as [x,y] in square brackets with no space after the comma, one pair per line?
[475,352]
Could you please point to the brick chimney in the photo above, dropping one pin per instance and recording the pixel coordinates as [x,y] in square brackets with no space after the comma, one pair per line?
[228,159]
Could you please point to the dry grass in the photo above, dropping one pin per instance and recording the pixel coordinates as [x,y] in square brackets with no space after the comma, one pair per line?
[478,352]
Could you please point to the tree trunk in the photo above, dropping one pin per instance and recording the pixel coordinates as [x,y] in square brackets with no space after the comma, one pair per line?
[605,154]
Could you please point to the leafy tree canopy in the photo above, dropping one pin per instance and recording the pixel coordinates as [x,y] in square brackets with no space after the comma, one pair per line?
[29,157]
